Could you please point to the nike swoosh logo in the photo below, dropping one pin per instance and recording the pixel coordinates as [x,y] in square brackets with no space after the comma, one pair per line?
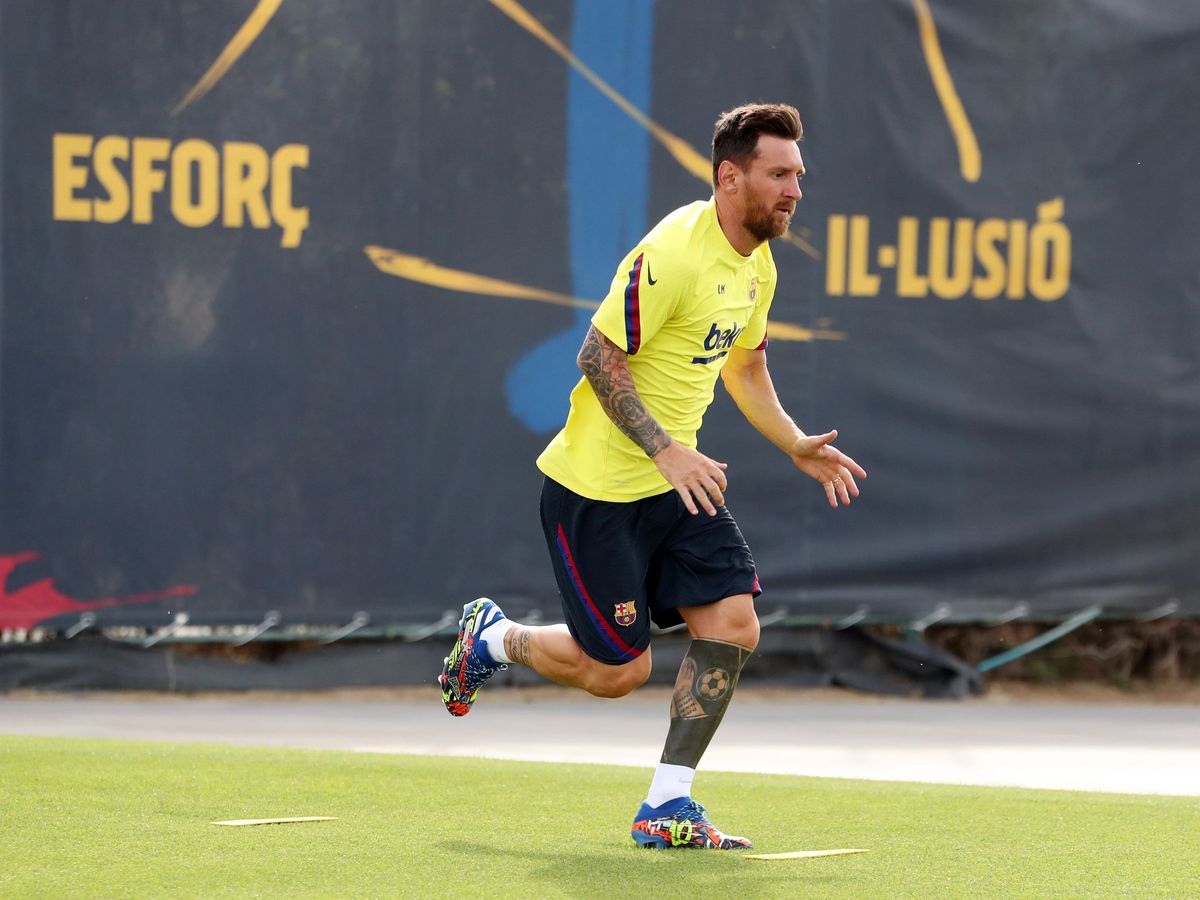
[649,278]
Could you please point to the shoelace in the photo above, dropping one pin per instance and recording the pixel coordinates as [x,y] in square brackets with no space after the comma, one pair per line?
[477,672]
[692,810]
[496,616]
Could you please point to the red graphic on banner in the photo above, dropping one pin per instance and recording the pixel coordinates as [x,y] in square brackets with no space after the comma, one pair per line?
[39,601]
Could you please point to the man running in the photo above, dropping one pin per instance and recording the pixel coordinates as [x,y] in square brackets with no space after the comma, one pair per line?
[633,513]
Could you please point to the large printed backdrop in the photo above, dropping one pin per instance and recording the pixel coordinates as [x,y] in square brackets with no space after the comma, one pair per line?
[292,292]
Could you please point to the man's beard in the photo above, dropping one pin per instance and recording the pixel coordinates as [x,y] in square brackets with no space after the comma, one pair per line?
[763,224]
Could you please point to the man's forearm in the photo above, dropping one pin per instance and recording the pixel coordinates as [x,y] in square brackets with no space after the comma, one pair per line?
[754,393]
[606,367]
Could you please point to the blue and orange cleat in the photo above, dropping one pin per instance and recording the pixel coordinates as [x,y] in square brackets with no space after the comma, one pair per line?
[469,664]
[681,822]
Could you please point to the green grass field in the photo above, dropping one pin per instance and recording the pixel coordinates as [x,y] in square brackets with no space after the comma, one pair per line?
[86,818]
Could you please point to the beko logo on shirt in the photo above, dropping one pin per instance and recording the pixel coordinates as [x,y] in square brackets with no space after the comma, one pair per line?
[722,340]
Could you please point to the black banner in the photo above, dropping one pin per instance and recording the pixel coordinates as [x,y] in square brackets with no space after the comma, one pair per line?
[291,295]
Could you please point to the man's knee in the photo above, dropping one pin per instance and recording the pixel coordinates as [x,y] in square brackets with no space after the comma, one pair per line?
[747,630]
[617,681]
[732,620]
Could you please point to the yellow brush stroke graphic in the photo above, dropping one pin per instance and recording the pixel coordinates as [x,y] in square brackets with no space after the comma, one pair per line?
[970,163]
[686,155]
[785,331]
[793,238]
[246,35]
[675,145]
[417,268]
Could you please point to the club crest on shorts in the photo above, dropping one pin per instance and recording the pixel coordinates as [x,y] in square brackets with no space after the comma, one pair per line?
[625,613]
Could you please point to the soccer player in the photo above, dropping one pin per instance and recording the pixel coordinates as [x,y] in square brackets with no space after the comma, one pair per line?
[633,513]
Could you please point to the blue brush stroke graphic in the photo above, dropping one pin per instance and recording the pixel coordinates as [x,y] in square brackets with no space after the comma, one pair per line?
[608,173]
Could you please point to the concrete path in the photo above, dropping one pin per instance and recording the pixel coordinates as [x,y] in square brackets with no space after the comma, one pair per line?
[1125,747]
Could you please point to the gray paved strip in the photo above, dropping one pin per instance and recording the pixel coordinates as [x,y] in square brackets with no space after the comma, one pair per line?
[1129,748]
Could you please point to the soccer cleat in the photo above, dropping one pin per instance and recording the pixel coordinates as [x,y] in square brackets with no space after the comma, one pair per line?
[469,664]
[681,822]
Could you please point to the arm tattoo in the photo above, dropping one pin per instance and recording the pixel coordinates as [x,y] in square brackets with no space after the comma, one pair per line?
[516,645]
[606,367]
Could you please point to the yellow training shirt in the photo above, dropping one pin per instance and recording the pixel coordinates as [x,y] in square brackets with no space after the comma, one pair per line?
[679,301]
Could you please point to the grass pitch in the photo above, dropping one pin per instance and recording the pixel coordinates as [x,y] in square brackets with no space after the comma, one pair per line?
[87,818]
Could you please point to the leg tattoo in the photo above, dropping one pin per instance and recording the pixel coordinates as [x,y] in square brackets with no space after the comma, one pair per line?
[516,645]
[707,677]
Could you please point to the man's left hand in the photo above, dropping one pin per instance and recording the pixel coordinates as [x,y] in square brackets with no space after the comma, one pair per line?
[816,457]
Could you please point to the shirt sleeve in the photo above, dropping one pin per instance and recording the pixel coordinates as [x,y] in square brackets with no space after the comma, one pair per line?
[642,297]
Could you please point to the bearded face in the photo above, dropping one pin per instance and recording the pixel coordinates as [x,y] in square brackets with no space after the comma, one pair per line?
[767,217]
[760,199]
[770,188]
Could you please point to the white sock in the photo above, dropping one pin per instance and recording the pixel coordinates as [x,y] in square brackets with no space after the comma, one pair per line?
[493,639]
[670,782]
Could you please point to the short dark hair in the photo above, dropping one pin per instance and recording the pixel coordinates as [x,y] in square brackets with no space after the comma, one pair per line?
[735,137]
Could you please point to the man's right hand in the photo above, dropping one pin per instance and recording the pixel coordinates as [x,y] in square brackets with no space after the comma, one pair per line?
[699,481]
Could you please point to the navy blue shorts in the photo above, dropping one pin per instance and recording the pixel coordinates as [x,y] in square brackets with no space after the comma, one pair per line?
[621,566]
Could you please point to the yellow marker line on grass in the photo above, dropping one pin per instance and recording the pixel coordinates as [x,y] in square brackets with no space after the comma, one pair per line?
[801,854]
[284,821]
